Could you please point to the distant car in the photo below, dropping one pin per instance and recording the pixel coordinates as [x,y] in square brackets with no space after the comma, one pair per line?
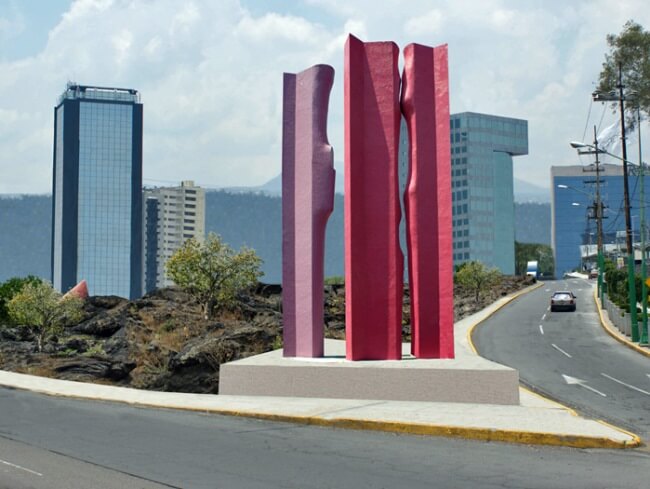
[563,300]
[593,273]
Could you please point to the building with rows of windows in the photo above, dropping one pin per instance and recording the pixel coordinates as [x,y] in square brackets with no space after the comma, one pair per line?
[97,196]
[573,225]
[172,216]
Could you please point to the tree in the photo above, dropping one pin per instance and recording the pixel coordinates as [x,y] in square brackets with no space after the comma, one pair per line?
[39,307]
[631,48]
[213,273]
[475,277]
[9,289]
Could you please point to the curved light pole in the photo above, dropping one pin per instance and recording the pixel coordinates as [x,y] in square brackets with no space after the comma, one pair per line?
[598,210]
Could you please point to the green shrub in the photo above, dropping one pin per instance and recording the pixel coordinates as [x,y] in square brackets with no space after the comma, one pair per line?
[9,289]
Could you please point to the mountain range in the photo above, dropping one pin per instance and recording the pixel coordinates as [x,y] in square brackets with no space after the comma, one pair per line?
[241,218]
[524,191]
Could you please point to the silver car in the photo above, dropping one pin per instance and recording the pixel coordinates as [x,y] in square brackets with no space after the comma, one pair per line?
[563,300]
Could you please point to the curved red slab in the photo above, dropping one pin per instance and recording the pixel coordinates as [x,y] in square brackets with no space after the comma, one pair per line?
[307,202]
[427,200]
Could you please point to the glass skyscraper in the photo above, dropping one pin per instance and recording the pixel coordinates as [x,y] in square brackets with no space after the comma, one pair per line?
[97,191]
[483,214]
[572,225]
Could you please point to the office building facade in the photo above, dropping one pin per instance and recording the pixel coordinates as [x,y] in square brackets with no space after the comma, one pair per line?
[483,216]
[172,215]
[97,191]
[573,192]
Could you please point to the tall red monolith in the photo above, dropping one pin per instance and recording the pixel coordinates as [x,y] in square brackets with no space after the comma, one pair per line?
[307,202]
[373,259]
[427,201]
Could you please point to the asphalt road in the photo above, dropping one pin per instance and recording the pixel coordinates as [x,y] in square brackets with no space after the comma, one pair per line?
[71,442]
[568,356]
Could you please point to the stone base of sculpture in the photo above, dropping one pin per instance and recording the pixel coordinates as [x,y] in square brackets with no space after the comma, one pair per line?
[466,378]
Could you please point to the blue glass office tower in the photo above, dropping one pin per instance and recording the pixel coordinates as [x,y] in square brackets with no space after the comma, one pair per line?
[571,223]
[97,191]
[482,147]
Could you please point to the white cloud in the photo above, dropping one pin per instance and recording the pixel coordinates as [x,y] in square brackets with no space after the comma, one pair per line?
[210,74]
[428,23]
[274,26]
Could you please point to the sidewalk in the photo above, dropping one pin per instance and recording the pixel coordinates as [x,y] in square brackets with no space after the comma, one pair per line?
[535,421]
[613,331]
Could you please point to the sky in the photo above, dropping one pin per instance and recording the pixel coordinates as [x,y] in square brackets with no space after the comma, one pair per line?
[210,73]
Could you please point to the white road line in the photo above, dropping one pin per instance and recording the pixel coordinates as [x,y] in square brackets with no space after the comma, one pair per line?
[547,290]
[544,317]
[626,385]
[560,350]
[541,329]
[548,308]
[20,468]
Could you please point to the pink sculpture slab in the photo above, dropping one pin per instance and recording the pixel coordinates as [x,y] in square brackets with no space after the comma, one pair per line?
[373,259]
[80,290]
[307,202]
[427,201]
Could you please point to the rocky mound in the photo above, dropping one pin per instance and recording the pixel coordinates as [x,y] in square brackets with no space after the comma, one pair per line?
[162,342]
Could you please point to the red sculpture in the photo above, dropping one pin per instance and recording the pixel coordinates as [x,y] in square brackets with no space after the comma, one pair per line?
[80,290]
[373,259]
[307,202]
[427,200]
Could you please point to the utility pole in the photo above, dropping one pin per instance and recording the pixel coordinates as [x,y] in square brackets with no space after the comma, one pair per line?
[628,220]
[598,207]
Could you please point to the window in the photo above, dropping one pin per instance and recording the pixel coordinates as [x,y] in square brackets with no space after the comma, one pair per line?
[190,206]
[190,199]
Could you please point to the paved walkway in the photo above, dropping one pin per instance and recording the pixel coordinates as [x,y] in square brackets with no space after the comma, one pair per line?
[535,421]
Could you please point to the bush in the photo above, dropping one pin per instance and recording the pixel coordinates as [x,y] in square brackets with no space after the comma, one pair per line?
[475,277]
[9,289]
[44,311]
[213,273]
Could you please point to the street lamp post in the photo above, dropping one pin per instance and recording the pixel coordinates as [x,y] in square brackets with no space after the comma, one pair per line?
[598,211]
[620,98]
[644,291]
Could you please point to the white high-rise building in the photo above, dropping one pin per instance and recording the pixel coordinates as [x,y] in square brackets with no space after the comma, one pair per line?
[172,215]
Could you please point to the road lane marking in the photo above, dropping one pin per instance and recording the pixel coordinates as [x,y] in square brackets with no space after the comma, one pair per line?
[544,317]
[626,385]
[582,383]
[548,308]
[560,350]
[547,290]
[541,329]
[20,468]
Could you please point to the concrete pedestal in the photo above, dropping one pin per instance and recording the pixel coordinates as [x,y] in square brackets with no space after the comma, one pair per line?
[467,378]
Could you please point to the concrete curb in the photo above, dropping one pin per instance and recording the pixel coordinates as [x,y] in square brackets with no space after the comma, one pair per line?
[463,432]
[613,333]
[134,397]
[507,300]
